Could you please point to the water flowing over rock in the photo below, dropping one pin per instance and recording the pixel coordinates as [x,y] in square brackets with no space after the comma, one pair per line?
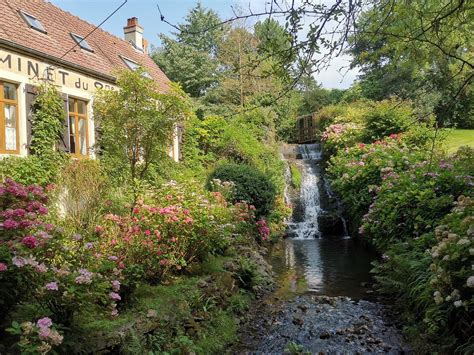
[324,302]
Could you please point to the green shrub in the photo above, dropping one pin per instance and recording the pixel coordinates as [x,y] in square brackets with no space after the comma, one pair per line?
[388,117]
[410,203]
[32,169]
[357,172]
[251,185]
[432,280]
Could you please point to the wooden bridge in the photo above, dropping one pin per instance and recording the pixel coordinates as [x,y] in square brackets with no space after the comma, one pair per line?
[306,129]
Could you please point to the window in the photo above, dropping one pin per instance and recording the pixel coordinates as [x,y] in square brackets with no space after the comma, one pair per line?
[81,42]
[32,22]
[130,63]
[134,66]
[9,133]
[78,137]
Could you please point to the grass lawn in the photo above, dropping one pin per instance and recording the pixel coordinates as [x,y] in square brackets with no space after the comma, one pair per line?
[459,137]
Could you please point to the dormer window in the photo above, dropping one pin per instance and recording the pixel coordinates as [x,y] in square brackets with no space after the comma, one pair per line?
[32,21]
[81,42]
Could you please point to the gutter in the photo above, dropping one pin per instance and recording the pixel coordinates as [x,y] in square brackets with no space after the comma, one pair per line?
[53,60]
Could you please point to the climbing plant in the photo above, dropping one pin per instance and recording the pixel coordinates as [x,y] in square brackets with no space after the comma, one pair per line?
[44,163]
[47,121]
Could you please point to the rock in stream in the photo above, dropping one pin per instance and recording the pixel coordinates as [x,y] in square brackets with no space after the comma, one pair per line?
[321,324]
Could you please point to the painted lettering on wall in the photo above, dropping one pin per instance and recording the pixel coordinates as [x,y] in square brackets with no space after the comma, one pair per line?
[37,70]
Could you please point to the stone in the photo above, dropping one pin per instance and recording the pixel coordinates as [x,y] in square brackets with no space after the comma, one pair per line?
[230,266]
[298,321]
[325,335]
[202,284]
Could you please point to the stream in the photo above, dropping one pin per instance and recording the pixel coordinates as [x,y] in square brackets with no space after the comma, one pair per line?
[324,302]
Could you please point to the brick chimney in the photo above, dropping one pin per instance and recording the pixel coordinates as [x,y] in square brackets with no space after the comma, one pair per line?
[134,33]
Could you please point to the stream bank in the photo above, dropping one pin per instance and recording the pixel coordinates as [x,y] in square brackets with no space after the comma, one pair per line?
[324,301]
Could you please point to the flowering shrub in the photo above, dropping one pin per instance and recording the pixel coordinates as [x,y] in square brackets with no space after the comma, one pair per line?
[36,338]
[39,263]
[410,203]
[358,171]
[453,274]
[432,279]
[177,227]
[341,135]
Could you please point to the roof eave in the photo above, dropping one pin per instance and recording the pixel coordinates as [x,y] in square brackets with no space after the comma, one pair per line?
[56,61]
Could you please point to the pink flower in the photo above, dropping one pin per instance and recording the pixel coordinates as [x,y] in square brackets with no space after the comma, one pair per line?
[163,262]
[42,268]
[18,261]
[44,332]
[52,286]
[99,229]
[147,232]
[116,285]
[114,313]
[3,267]
[10,224]
[44,322]
[30,242]
[114,296]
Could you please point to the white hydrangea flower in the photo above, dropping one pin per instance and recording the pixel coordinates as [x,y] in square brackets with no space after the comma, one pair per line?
[458,304]
[470,282]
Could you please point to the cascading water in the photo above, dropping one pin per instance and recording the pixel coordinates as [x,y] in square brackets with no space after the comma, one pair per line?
[304,224]
[318,256]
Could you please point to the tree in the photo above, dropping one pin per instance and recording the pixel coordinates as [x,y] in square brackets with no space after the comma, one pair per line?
[136,125]
[190,59]
[419,50]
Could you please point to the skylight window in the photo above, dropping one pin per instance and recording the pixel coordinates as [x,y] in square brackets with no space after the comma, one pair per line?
[33,22]
[82,42]
[130,63]
[134,66]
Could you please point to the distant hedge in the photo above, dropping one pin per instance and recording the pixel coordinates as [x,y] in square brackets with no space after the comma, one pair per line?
[251,185]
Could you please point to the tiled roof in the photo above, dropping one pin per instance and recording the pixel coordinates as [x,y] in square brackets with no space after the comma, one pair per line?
[59,24]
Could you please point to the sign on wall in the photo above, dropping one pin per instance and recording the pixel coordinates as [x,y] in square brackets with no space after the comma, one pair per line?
[35,70]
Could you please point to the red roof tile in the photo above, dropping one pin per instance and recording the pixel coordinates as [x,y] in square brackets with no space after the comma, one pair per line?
[57,41]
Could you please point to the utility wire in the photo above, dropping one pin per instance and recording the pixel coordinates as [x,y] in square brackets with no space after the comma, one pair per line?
[95,29]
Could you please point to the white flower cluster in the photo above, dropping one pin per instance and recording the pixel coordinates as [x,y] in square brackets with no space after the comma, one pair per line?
[451,250]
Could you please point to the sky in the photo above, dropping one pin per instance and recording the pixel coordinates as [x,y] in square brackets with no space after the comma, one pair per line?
[95,11]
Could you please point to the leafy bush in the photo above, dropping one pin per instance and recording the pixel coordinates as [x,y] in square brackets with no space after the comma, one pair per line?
[410,203]
[388,117]
[357,172]
[31,169]
[433,282]
[42,266]
[341,135]
[251,185]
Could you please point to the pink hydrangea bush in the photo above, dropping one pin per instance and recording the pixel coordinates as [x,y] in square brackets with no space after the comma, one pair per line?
[41,265]
[357,172]
[40,337]
[338,136]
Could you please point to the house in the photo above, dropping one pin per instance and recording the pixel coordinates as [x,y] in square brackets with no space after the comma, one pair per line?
[39,41]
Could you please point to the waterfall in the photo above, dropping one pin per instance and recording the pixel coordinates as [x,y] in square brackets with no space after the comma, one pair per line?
[304,223]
